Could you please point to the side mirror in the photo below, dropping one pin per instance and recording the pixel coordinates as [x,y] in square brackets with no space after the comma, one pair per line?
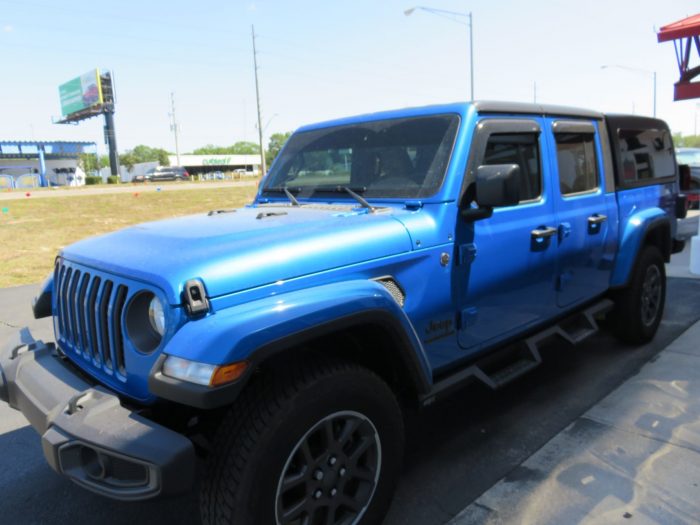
[497,185]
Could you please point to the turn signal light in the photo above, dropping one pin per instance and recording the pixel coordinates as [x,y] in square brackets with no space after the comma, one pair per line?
[228,373]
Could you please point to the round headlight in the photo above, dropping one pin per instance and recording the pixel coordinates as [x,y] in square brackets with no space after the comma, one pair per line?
[156,315]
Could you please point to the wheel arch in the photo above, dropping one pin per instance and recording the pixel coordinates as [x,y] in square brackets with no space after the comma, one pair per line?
[648,227]
[375,339]
[355,320]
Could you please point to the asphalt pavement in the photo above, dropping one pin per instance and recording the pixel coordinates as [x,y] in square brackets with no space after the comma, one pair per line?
[478,456]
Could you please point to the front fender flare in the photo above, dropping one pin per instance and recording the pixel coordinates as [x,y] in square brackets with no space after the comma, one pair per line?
[257,330]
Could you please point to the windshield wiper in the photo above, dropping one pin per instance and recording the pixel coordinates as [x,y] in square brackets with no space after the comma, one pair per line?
[358,198]
[285,190]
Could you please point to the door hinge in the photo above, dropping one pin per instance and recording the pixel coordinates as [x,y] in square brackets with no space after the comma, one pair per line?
[467,253]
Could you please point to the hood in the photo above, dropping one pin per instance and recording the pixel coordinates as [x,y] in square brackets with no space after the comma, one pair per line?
[243,249]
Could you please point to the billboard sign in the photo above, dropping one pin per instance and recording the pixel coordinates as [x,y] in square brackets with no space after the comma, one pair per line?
[81,93]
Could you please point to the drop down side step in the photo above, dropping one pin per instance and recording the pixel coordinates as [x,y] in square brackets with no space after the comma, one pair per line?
[502,366]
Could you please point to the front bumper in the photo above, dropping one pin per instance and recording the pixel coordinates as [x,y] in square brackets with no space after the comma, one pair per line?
[86,434]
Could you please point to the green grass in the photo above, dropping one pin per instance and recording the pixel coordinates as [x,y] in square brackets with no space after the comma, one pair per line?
[32,231]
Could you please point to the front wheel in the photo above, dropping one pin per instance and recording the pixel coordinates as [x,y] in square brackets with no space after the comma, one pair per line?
[640,306]
[318,445]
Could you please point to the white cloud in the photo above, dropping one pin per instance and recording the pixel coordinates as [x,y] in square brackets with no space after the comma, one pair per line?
[252,7]
[7,29]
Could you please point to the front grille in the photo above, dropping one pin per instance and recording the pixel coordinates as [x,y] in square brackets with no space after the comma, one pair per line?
[89,316]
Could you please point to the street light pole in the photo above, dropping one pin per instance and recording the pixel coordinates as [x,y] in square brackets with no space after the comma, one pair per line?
[638,70]
[257,98]
[450,15]
[471,54]
[654,94]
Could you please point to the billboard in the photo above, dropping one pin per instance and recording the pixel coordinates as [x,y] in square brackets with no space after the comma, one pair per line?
[81,93]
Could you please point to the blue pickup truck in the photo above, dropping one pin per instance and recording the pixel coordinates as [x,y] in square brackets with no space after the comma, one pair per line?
[386,260]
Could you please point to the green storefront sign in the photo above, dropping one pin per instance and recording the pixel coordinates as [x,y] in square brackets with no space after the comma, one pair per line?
[216,161]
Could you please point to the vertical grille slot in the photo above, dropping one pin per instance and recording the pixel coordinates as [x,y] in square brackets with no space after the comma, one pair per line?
[59,299]
[82,331]
[92,313]
[73,307]
[117,310]
[105,342]
[65,310]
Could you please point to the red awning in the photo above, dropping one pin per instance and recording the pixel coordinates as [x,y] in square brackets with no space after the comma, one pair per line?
[686,37]
[683,28]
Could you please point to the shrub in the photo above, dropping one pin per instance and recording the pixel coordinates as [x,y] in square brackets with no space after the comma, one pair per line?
[92,179]
[113,179]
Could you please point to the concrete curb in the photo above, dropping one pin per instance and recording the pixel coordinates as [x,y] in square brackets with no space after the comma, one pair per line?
[633,458]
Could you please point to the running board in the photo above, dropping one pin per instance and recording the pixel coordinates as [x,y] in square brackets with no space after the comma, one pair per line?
[499,368]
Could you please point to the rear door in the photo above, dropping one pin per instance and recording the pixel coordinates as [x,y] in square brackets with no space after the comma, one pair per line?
[583,221]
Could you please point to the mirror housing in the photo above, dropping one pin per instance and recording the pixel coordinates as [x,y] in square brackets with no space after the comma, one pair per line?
[497,185]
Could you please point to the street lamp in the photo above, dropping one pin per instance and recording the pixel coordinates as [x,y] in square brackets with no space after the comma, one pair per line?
[450,15]
[638,70]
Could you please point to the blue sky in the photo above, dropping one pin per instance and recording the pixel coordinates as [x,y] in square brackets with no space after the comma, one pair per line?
[324,59]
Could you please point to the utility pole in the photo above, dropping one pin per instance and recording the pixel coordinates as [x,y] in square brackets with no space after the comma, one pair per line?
[174,126]
[257,98]
[471,54]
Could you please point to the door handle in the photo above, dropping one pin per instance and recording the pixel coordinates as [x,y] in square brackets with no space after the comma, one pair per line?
[597,219]
[594,223]
[543,233]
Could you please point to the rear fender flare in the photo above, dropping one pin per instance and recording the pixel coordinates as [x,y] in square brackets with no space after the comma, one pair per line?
[637,228]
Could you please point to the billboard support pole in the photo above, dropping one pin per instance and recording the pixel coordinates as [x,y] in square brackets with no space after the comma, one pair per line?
[111,139]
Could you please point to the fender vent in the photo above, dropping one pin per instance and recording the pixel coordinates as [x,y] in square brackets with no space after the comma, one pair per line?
[394,289]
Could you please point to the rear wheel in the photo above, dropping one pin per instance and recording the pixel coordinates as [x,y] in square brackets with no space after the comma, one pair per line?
[640,307]
[318,445]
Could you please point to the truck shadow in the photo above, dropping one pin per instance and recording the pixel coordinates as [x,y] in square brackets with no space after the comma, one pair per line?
[463,445]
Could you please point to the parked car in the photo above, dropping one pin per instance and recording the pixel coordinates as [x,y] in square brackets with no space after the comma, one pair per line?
[163,173]
[284,342]
[691,157]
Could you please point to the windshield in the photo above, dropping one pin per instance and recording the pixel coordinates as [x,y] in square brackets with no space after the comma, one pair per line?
[689,157]
[399,158]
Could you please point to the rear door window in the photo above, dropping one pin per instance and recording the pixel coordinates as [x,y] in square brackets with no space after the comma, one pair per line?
[577,163]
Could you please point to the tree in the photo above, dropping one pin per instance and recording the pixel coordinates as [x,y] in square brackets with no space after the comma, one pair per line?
[239,148]
[127,160]
[245,148]
[277,141]
[143,153]
[689,141]
[89,162]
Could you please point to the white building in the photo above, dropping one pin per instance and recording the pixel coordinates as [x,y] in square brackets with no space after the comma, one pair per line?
[202,164]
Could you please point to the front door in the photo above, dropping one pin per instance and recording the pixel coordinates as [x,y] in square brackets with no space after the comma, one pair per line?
[507,262]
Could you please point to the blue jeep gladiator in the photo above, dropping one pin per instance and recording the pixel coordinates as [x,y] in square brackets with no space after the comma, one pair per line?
[386,260]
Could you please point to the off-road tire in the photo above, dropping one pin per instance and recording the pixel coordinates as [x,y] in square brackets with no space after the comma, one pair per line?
[639,307]
[254,444]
